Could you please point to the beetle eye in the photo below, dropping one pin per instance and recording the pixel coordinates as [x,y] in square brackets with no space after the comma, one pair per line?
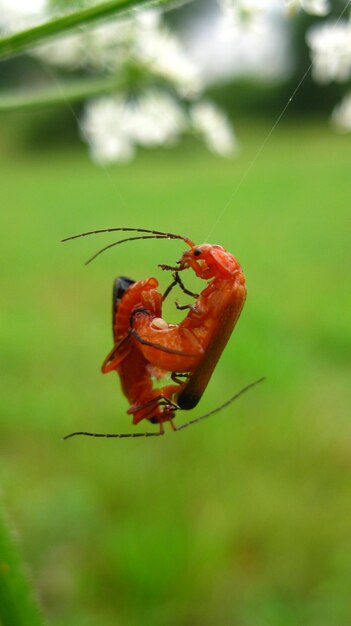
[197,252]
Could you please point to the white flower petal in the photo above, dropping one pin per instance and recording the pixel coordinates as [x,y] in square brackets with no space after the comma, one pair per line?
[316,7]
[113,150]
[330,45]
[215,129]
[18,14]
[67,52]
[249,8]
[341,116]
[155,119]
[113,126]
[162,53]
[103,127]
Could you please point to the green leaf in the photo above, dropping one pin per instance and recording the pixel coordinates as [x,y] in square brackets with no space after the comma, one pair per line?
[17,606]
[19,42]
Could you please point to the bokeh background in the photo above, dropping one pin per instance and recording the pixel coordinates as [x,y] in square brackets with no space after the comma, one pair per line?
[245,518]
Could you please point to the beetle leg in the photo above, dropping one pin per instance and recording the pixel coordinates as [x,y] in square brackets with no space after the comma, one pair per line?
[118,353]
[178,281]
[182,307]
[159,400]
[175,376]
[170,268]
[149,409]
[182,286]
[168,290]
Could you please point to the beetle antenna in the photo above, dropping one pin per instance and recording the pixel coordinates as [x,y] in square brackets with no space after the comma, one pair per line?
[161,432]
[116,243]
[127,229]
[114,435]
[223,406]
[132,230]
[153,234]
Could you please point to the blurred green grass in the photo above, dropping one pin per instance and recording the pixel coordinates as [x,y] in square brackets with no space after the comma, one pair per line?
[242,520]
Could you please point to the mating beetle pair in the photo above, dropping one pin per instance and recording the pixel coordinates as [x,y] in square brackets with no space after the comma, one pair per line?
[146,347]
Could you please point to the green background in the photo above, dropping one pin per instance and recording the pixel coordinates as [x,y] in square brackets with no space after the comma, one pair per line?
[243,519]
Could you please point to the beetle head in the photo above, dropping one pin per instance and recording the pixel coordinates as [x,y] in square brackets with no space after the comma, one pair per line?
[209,261]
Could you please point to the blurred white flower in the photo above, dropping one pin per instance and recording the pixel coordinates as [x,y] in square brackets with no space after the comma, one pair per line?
[341,116]
[330,45]
[18,14]
[67,52]
[246,12]
[105,47]
[155,118]
[137,51]
[315,7]
[109,45]
[249,8]
[142,40]
[244,38]
[113,126]
[162,52]
[103,127]
[214,128]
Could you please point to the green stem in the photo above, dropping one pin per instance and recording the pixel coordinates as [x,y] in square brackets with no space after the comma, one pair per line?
[19,42]
[17,606]
[71,91]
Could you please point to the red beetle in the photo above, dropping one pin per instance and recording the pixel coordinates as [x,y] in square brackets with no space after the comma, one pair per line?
[147,347]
